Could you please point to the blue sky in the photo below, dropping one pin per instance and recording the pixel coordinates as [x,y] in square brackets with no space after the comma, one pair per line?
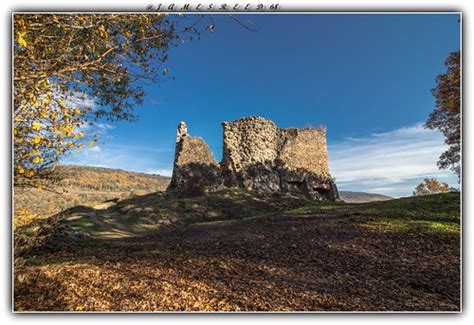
[367,78]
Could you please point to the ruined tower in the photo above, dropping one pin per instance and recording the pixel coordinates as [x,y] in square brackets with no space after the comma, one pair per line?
[258,157]
[195,170]
[249,152]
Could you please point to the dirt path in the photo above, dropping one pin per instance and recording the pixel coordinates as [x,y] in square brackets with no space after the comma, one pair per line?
[311,262]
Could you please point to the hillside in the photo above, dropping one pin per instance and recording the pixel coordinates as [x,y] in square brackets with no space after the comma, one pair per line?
[86,185]
[231,251]
[362,197]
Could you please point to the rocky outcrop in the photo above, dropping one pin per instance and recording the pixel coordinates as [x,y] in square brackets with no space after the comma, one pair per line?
[195,170]
[257,157]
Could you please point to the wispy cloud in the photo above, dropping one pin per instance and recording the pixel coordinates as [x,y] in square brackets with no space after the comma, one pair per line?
[137,158]
[95,149]
[101,129]
[390,163]
[140,148]
[80,100]
[131,158]
[160,171]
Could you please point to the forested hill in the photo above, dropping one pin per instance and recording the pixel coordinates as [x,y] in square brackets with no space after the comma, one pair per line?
[83,185]
[361,197]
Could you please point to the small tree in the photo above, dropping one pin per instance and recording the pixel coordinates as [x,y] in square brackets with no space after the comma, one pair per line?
[431,186]
[446,117]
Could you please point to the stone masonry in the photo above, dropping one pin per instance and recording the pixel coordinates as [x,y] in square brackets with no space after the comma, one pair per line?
[195,170]
[249,153]
[257,157]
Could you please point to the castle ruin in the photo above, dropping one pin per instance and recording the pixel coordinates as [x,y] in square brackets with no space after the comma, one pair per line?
[257,157]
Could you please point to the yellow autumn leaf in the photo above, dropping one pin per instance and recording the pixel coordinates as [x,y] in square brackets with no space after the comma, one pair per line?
[46,101]
[90,143]
[37,160]
[79,307]
[36,126]
[37,140]
[21,40]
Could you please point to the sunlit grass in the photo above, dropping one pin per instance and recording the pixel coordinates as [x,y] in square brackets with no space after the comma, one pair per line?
[320,208]
[400,225]
[437,214]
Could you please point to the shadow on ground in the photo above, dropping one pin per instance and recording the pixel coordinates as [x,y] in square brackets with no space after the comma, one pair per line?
[276,256]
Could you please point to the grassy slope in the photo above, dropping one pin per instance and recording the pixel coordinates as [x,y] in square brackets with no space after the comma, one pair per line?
[234,251]
[439,213]
[146,214]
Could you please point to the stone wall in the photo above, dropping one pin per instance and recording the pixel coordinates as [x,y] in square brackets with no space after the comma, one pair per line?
[258,157]
[304,148]
[249,150]
[304,159]
[195,170]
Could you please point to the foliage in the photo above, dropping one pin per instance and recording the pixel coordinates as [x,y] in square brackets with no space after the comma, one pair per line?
[80,185]
[431,186]
[73,69]
[446,117]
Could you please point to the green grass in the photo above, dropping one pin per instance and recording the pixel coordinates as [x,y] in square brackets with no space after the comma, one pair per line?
[433,214]
[316,208]
[219,206]
[401,225]
[437,214]
[84,223]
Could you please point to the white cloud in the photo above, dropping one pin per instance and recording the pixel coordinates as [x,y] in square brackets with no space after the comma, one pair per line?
[390,163]
[160,171]
[131,158]
[104,126]
[80,100]
[98,128]
[95,149]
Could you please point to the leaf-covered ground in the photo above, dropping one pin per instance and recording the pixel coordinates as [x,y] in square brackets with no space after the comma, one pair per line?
[249,254]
